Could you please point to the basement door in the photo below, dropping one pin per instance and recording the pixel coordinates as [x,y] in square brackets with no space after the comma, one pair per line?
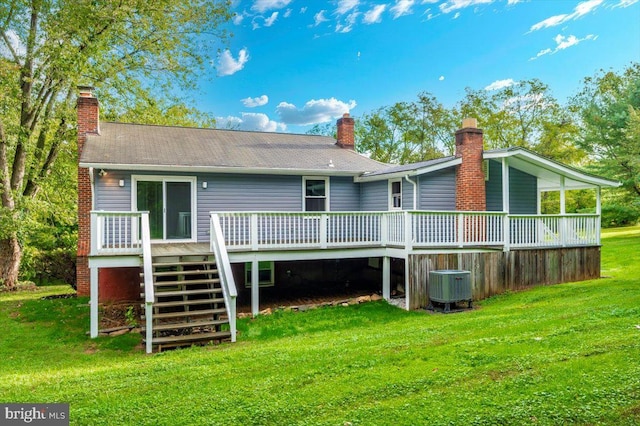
[170,202]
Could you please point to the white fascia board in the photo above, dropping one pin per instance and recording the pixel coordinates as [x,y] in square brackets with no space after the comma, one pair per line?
[204,169]
[554,167]
[416,172]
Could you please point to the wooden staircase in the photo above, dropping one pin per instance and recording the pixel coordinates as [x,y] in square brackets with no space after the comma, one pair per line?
[189,306]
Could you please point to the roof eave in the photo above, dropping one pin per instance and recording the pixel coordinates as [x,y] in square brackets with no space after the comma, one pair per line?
[219,169]
[553,166]
[415,172]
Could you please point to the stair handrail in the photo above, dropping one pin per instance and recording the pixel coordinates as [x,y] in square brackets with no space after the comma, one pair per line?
[149,295]
[228,284]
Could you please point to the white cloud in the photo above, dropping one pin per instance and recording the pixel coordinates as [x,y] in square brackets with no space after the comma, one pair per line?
[250,121]
[457,15]
[228,65]
[314,111]
[270,20]
[319,18]
[255,102]
[441,78]
[580,10]
[563,42]
[350,22]
[451,5]
[510,2]
[500,84]
[262,6]
[238,18]
[345,6]
[303,9]
[287,13]
[374,15]
[401,8]
[626,3]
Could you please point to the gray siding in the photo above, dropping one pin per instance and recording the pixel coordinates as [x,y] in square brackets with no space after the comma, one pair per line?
[109,195]
[374,196]
[345,194]
[523,190]
[437,191]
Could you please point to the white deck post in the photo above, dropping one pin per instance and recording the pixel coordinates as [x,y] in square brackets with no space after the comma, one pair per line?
[599,213]
[323,230]
[255,288]
[505,203]
[563,212]
[93,302]
[254,231]
[386,278]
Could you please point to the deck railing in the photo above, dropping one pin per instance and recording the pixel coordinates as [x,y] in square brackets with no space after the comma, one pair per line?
[229,291]
[115,232]
[255,231]
[118,232]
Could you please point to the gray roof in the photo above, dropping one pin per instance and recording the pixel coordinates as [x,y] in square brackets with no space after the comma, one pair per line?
[135,146]
[411,167]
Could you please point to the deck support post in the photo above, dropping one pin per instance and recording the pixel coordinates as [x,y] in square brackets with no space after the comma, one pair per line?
[255,287]
[93,302]
[386,278]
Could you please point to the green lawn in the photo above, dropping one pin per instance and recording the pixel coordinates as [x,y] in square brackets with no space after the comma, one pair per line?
[560,354]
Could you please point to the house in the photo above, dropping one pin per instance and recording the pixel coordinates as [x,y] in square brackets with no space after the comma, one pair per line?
[189,218]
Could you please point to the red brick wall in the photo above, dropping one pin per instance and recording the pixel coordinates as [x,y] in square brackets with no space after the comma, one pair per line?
[345,136]
[88,111]
[470,184]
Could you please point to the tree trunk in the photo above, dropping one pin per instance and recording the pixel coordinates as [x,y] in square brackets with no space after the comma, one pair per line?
[10,255]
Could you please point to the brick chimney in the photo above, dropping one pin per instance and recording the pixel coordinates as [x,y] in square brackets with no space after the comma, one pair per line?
[88,122]
[345,137]
[470,184]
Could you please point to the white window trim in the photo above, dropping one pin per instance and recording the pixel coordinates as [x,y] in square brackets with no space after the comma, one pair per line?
[390,194]
[327,192]
[169,178]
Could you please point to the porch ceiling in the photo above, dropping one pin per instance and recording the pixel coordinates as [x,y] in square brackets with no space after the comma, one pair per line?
[549,172]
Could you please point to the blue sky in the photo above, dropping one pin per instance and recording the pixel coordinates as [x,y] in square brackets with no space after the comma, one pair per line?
[294,63]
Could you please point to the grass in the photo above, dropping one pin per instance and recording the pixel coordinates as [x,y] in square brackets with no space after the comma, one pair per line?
[552,355]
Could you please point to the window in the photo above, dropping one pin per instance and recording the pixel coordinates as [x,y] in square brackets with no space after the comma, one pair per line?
[316,192]
[395,195]
[265,274]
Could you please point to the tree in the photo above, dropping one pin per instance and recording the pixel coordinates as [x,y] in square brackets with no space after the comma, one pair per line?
[48,47]
[407,131]
[524,114]
[608,107]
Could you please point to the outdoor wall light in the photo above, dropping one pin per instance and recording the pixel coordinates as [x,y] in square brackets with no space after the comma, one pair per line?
[204,185]
[121,183]
[102,173]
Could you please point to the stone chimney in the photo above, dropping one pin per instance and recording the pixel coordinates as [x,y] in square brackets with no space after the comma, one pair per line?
[88,122]
[345,137]
[470,184]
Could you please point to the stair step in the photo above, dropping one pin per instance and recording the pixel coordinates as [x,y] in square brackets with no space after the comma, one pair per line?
[188,272]
[184,282]
[188,292]
[180,263]
[189,313]
[187,302]
[187,282]
[171,326]
[168,340]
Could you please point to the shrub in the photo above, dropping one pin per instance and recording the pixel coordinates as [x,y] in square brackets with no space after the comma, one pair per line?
[614,215]
[58,264]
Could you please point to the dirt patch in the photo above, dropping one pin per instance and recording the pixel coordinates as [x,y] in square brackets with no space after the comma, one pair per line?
[284,302]
[115,315]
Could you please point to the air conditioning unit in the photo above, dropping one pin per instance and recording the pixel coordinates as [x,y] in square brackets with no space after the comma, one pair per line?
[449,286]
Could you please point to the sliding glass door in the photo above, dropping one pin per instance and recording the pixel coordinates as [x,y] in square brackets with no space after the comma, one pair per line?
[170,203]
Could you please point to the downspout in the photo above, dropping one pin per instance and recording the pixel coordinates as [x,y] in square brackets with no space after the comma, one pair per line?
[415,190]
